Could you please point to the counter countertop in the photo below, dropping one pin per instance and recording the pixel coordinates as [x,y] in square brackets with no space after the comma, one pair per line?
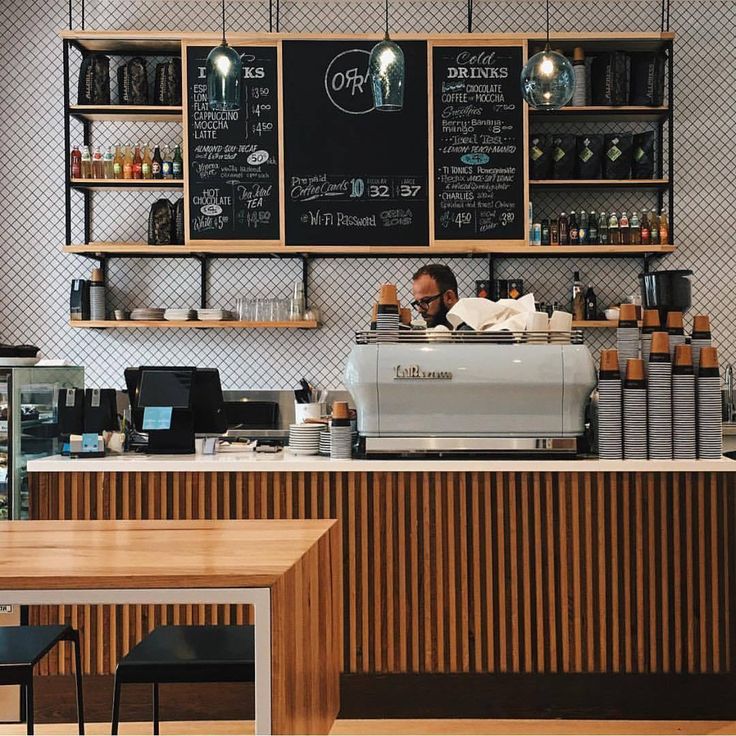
[286,462]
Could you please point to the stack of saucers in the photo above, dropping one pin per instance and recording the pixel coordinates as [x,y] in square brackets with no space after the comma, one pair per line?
[635,411]
[216,315]
[627,335]
[324,442]
[610,442]
[179,315]
[304,438]
[659,398]
[683,404]
[145,314]
[709,405]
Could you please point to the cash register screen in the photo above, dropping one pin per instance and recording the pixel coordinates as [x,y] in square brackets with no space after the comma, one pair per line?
[171,387]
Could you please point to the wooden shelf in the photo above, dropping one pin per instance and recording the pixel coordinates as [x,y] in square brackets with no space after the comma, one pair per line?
[602,41]
[127,113]
[193,324]
[599,183]
[113,185]
[626,113]
[595,324]
[126,43]
[545,251]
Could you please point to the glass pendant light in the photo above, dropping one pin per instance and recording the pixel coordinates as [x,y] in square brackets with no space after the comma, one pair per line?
[386,70]
[547,79]
[224,69]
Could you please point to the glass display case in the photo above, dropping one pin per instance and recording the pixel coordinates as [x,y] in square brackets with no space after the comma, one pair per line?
[28,426]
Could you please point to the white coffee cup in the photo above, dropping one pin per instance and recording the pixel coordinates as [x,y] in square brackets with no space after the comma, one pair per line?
[302,412]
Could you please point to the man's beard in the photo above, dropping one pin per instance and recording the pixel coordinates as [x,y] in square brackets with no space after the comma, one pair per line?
[440,318]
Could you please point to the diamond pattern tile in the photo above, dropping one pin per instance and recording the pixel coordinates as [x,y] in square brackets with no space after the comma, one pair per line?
[35,273]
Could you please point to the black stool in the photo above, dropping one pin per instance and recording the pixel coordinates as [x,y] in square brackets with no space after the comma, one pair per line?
[186,654]
[22,646]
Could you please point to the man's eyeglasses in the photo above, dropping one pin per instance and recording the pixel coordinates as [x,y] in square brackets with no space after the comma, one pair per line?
[424,302]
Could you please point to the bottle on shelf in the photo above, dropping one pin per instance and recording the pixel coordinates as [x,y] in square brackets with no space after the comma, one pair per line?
[177,168]
[98,164]
[574,232]
[591,304]
[156,171]
[146,163]
[654,227]
[578,67]
[545,232]
[109,163]
[583,228]
[635,227]
[593,234]
[564,227]
[624,230]
[137,163]
[86,164]
[117,163]
[554,232]
[645,231]
[577,298]
[167,165]
[664,229]
[614,236]
[128,163]
[537,233]
[603,228]
[75,163]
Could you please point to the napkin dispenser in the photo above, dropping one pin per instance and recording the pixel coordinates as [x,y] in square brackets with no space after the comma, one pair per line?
[86,445]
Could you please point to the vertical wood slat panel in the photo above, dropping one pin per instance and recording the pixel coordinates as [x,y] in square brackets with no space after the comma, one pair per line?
[461,572]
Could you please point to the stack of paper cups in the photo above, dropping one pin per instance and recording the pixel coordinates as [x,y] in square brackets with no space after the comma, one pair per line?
[700,337]
[683,404]
[650,324]
[659,398]
[387,317]
[708,389]
[610,414]
[635,411]
[627,335]
[341,439]
[676,331]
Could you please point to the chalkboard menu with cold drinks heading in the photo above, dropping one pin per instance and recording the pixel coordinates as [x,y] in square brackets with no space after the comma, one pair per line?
[233,155]
[478,143]
[353,175]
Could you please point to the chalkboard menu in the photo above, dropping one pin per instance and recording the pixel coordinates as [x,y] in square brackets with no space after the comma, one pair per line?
[478,143]
[353,175]
[233,155]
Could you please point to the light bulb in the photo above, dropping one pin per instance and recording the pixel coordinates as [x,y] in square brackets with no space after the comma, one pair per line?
[547,80]
[224,70]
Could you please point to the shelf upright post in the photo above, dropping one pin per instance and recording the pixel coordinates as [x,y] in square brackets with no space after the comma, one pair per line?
[671,132]
[87,192]
[67,143]
[305,278]
[491,270]
[203,262]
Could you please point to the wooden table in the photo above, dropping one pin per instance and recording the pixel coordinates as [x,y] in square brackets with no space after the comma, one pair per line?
[288,570]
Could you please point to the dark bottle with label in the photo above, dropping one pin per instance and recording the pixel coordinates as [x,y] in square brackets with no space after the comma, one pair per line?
[593,228]
[574,232]
[591,304]
[624,229]
[614,236]
[554,232]
[545,232]
[653,228]
[645,232]
[603,228]
[564,229]
[583,228]
[156,171]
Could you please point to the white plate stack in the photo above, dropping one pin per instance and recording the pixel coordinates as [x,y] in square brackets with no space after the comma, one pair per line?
[635,411]
[683,405]
[610,415]
[324,442]
[700,337]
[212,315]
[709,406]
[627,336]
[179,315]
[650,324]
[304,438]
[659,398]
[147,314]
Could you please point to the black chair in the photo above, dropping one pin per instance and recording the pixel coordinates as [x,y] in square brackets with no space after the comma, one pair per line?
[173,654]
[22,646]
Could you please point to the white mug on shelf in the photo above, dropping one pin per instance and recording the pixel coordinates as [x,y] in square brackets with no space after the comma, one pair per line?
[303,412]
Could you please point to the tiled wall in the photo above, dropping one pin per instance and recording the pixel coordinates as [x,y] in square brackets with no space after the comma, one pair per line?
[34,274]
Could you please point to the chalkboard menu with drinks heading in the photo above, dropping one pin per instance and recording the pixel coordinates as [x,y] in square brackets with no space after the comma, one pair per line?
[478,143]
[353,175]
[233,155]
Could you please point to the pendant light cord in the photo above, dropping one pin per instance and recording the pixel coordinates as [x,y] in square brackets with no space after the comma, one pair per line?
[547,23]
[224,42]
[386,36]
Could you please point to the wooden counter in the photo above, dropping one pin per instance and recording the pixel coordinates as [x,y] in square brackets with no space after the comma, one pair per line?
[523,569]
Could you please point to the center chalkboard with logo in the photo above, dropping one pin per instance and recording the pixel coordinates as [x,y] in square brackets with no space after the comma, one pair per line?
[354,176]
[478,143]
[233,155]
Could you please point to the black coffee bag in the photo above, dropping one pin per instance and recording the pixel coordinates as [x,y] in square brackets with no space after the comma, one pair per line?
[540,157]
[563,155]
[133,82]
[617,156]
[588,156]
[609,84]
[167,85]
[642,157]
[647,79]
[179,221]
[161,223]
[94,81]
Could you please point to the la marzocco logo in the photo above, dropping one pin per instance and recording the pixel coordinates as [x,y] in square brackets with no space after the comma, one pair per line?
[402,372]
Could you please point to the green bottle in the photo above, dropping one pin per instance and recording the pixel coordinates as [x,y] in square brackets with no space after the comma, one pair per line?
[178,164]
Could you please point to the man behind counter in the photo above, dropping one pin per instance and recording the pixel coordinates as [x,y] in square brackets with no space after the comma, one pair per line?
[434,288]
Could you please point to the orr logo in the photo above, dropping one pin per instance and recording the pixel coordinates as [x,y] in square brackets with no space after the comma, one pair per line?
[347,82]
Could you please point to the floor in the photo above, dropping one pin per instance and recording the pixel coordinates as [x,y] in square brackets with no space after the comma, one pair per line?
[408,727]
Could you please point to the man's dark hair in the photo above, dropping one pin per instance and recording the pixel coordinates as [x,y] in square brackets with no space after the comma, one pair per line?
[441,273]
